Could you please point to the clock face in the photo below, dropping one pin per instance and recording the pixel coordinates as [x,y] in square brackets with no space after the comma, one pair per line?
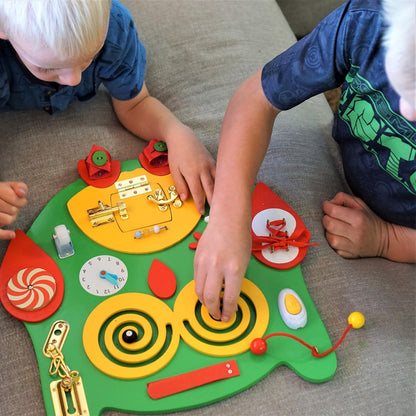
[103,275]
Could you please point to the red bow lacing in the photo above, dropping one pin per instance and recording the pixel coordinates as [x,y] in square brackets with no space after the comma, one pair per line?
[278,239]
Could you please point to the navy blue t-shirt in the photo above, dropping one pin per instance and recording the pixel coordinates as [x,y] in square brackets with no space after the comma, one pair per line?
[378,145]
[119,66]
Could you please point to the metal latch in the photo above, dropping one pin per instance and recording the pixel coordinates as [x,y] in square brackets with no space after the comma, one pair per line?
[68,394]
[133,187]
[159,198]
[103,214]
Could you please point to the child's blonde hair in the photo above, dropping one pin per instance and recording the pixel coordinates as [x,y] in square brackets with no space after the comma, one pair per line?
[70,28]
[400,40]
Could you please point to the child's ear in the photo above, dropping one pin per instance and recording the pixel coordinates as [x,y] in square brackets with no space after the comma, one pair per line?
[3,35]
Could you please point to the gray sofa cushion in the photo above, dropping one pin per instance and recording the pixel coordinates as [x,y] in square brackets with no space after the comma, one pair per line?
[198,53]
[304,15]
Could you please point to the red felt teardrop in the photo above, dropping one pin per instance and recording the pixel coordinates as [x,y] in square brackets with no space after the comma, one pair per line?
[25,253]
[162,280]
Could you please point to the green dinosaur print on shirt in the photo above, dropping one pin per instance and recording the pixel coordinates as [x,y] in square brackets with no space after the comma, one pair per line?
[370,118]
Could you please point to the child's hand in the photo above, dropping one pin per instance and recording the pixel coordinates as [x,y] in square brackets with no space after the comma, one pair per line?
[190,163]
[221,259]
[12,199]
[353,231]
[191,166]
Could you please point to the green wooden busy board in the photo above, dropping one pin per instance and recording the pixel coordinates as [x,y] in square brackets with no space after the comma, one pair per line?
[93,323]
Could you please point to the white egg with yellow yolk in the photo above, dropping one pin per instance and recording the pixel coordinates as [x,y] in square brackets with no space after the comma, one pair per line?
[292,309]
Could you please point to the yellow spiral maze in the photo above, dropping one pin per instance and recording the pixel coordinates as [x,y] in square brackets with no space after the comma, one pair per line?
[217,338]
[136,359]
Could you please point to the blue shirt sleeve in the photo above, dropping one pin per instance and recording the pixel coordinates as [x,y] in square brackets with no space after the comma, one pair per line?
[122,60]
[312,65]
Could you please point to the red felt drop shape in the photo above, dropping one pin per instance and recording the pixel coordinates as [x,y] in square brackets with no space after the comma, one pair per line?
[263,199]
[23,253]
[162,280]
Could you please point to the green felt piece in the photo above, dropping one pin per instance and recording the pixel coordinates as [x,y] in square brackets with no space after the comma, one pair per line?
[105,392]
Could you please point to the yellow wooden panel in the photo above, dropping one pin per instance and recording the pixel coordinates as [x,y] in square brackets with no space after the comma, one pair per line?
[142,216]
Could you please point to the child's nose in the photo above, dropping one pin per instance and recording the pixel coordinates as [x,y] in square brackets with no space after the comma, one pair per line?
[70,76]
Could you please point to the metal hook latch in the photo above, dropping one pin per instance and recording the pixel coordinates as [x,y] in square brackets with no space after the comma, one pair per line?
[68,395]
[159,198]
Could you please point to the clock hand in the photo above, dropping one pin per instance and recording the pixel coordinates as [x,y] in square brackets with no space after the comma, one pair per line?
[112,278]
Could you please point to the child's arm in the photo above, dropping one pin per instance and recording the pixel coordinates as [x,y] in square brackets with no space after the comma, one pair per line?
[191,165]
[354,231]
[12,199]
[223,252]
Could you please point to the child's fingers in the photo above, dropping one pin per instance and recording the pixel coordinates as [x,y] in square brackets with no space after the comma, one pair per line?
[198,196]
[202,186]
[342,245]
[192,184]
[180,184]
[7,234]
[335,225]
[19,188]
[231,295]
[343,199]
[7,214]
[13,194]
[207,286]
[207,181]
[7,210]
[12,199]
[336,211]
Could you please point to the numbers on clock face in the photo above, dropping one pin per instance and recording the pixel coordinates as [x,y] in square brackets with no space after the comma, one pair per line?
[94,281]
